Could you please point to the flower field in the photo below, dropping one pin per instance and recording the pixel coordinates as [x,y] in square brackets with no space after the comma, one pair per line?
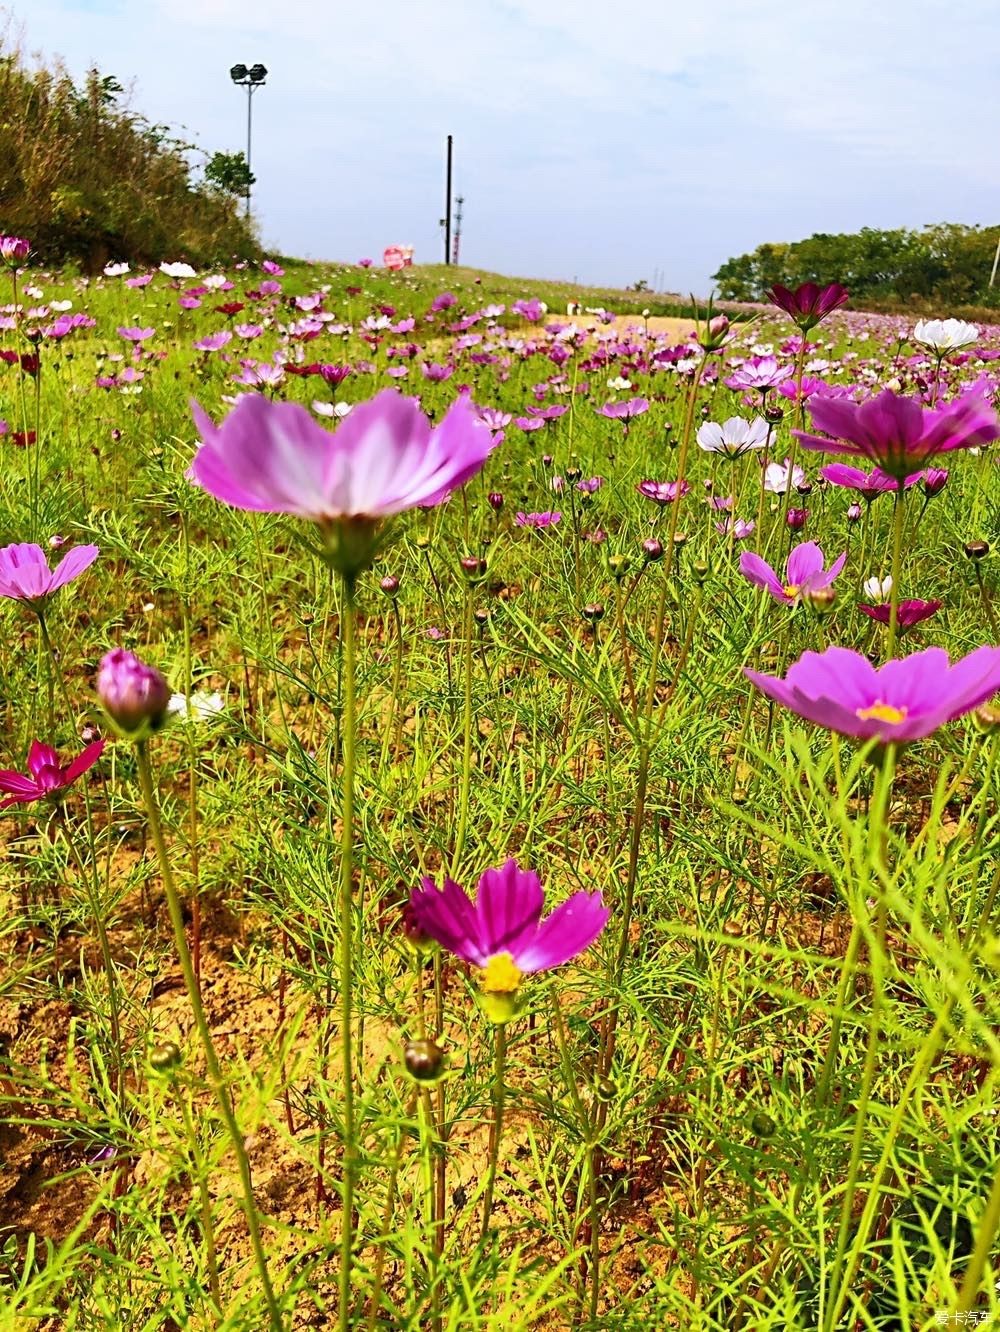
[499,807]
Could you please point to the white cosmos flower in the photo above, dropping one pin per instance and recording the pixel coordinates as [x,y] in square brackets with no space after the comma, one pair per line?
[115,270]
[177,270]
[214,281]
[877,588]
[619,384]
[734,437]
[202,707]
[945,335]
[776,477]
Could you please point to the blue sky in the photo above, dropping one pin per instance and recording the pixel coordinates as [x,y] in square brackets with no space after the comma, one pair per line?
[592,141]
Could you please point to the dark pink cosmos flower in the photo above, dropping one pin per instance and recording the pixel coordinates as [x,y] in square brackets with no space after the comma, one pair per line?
[272,457]
[898,433]
[25,574]
[933,481]
[908,613]
[503,933]
[624,411]
[663,492]
[549,519]
[903,700]
[809,303]
[45,776]
[868,485]
[14,248]
[804,573]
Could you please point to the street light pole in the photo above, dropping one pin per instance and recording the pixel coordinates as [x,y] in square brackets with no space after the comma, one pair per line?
[251,79]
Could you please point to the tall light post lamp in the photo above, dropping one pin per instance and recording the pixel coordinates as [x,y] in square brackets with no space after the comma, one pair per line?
[251,79]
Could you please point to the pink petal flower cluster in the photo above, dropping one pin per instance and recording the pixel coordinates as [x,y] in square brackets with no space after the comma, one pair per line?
[46,776]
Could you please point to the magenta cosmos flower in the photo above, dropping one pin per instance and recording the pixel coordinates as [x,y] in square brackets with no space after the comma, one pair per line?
[383,458]
[908,613]
[869,485]
[809,303]
[900,701]
[898,433]
[503,934]
[804,573]
[45,775]
[25,574]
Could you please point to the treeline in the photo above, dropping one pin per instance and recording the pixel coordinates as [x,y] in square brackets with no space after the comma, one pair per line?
[947,265]
[87,179]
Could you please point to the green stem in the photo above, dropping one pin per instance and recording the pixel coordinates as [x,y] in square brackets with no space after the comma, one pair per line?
[346,956]
[201,1022]
[878,881]
[466,783]
[897,554]
[585,1124]
[205,1203]
[496,1127]
[988,1227]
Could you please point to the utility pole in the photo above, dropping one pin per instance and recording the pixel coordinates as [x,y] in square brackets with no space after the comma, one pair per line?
[458,228]
[251,79]
[447,205]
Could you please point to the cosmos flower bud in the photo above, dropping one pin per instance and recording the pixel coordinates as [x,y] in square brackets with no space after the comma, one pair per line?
[618,564]
[854,513]
[424,1059]
[165,1058]
[473,567]
[877,588]
[977,550]
[593,613]
[773,414]
[605,1090]
[762,1125]
[797,519]
[495,500]
[987,719]
[389,585]
[700,571]
[821,599]
[652,550]
[481,616]
[135,696]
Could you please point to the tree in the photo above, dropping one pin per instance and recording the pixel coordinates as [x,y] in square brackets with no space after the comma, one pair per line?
[229,173]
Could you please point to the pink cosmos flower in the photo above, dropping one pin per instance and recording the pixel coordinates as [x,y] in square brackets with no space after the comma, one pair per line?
[764,374]
[503,933]
[272,457]
[804,573]
[903,700]
[809,303]
[737,528]
[25,574]
[898,433]
[45,776]
[548,519]
[663,492]
[627,410]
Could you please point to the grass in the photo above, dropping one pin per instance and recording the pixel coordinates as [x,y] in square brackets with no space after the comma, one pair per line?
[724,1126]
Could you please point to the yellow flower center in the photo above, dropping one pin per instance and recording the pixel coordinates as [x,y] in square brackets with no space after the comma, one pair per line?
[792,590]
[884,712]
[501,975]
